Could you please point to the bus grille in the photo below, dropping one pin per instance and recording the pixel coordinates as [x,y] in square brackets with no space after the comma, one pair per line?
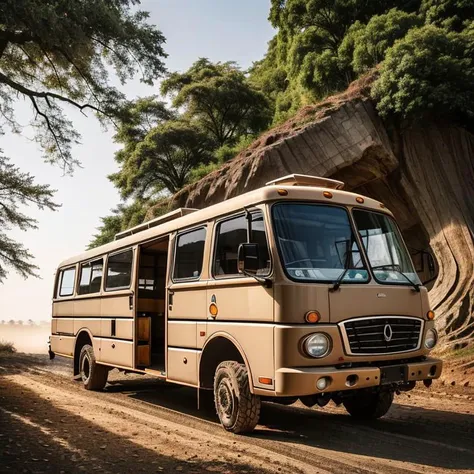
[382,335]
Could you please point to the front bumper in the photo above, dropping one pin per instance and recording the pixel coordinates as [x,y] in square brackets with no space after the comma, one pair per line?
[294,381]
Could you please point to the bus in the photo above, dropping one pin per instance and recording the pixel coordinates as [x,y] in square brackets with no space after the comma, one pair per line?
[298,290]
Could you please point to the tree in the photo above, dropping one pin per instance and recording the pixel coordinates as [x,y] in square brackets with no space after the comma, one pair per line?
[312,52]
[365,46]
[449,14]
[18,189]
[163,160]
[220,99]
[59,53]
[429,73]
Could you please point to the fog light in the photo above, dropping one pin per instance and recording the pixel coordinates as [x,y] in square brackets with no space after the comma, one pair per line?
[322,383]
[431,338]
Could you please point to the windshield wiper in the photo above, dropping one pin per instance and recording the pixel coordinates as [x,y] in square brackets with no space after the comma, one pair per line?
[338,282]
[416,286]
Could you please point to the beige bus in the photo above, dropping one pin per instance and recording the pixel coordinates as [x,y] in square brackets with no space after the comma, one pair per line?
[297,290]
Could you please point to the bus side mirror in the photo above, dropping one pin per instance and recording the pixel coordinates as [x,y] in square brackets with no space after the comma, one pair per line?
[248,261]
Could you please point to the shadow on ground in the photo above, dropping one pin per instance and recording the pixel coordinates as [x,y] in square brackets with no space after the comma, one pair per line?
[437,438]
[36,436]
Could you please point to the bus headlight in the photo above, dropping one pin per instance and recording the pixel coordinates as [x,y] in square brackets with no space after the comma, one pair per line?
[431,338]
[317,345]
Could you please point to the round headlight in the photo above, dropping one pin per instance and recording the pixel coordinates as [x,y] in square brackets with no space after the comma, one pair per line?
[431,338]
[317,345]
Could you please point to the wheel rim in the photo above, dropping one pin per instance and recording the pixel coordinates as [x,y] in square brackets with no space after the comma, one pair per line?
[226,401]
[86,369]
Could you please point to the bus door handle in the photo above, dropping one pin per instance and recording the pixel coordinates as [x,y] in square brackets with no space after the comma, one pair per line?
[170,297]
[130,301]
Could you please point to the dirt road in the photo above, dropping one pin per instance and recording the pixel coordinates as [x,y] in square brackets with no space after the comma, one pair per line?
[49,423]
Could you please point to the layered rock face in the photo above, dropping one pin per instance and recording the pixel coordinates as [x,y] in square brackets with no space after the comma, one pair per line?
[425,175]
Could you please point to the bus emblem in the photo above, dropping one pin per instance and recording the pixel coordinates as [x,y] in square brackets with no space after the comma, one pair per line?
[387,332]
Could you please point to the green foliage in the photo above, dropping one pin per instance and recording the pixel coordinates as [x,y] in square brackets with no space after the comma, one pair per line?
[430,72]
[370,42]
[316,43]
[18,189]
[56,54]
[453,15]
[159,151]
[218,97]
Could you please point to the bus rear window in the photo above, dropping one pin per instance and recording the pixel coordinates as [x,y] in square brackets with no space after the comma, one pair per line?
[67,277]
[119,270]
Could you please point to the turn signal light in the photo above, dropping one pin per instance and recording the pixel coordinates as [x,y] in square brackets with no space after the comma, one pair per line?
[265,380]
[213,309]
[312,317]
[430,315]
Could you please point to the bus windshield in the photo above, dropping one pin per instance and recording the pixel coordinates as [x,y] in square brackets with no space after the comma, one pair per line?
[385,249]
[316,243]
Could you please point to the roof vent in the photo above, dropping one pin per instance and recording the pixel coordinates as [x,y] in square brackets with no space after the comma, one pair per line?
[305,180]
[181,212]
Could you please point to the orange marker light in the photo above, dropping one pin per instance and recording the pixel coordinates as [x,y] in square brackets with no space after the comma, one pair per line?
[312,317]
[430,315]
[265,380]
[213,309]
[327,194]
[359,199]
[382,205]
[282,192]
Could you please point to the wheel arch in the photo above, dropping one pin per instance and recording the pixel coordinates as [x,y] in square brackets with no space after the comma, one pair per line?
[219,348]
[83,337]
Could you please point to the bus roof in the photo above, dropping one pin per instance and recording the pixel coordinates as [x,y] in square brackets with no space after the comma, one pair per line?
[272,192]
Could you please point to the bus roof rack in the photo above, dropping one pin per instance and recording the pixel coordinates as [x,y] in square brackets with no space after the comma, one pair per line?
[182,211]
[305,180]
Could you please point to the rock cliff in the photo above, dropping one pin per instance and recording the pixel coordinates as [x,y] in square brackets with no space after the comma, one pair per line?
[424,174]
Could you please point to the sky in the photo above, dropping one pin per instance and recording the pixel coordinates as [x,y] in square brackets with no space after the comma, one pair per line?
[220,30]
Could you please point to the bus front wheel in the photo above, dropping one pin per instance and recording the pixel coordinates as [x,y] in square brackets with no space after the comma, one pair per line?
[365,406]
[93,375]
[237,408]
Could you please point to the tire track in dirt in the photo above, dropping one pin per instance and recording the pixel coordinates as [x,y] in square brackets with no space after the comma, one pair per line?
[289,444]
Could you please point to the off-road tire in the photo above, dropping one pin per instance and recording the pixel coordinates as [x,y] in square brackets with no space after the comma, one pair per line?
[237,408]
[93,375]
[369,406]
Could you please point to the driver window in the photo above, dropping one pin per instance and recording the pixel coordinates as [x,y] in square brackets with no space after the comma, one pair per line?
[233,232]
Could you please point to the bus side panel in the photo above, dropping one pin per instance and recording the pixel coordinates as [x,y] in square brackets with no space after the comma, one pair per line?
[256,342]
[187,300]
[183,365]
[241,299]
[118,312]
[63,308]
[63,345]
[182,334]
[115,352]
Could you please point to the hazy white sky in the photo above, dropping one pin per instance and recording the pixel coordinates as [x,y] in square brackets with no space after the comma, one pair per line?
[220,30]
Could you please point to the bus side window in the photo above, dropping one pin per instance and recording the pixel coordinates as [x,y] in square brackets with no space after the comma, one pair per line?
[91,277]
[189,254]
[67,277]
[119,270]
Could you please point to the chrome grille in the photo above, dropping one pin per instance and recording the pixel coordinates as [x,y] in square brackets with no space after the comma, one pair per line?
[382,334]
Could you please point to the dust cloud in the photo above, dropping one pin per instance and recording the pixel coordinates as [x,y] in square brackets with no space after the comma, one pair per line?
[28,338]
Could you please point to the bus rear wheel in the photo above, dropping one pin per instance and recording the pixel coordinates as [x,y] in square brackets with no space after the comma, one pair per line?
[366,406]
[237,408]
[93,375]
